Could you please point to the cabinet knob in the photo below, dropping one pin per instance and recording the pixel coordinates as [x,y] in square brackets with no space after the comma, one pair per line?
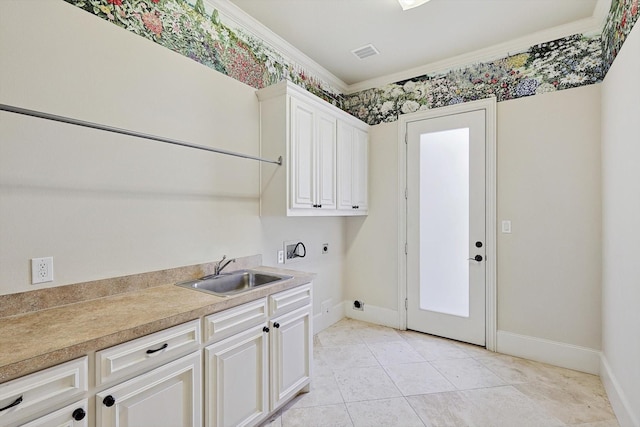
[109,401]
[265,329]
[79,414]
[276,325]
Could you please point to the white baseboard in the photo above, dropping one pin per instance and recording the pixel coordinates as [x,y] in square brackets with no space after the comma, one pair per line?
[373,314]
[555,353]
[323,321]
[617,398]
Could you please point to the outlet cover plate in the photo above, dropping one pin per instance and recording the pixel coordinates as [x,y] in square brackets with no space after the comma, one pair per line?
[41,270]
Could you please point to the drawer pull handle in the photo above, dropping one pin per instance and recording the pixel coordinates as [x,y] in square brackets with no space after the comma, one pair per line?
[15,403]
[79,414]
[265,329]
[165,345]
[276,325]
[109,401]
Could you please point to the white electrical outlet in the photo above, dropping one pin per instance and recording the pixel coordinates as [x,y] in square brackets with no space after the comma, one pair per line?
[280,257]
[41,270]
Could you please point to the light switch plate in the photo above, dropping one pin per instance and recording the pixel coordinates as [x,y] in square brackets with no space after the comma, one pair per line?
[506,226]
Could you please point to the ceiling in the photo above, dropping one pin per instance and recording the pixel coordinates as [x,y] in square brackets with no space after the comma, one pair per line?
[328,30]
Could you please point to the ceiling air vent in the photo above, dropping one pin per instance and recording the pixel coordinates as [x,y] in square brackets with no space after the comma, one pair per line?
[365,51]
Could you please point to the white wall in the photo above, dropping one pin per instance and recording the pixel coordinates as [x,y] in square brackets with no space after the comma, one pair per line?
[372,241]
[549,186]
[105,205]
[621,232]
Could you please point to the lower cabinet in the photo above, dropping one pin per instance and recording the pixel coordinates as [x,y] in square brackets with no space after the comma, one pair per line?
[236,379]
[168,396]
[291,353]
[252,373]
[257,356]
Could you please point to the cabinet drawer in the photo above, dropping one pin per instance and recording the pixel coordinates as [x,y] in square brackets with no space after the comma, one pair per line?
[234,320]
[136,356]
[74,415]
[42,390]
[284,302]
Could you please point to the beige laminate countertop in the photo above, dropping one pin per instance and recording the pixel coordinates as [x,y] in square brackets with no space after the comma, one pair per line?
[40,339]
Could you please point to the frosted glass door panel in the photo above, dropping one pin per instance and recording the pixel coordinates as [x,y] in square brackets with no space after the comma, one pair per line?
[444,222]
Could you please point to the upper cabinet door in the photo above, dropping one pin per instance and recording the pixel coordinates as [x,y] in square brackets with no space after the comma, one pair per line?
[302,155]
[345,160]
[360,169]
[326,162]
[353,159]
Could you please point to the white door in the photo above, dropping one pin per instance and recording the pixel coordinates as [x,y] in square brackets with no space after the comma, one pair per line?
[236,379]
[446,226]
[168,396]
[360,169]
[302,153]
[326,154]
[291,354]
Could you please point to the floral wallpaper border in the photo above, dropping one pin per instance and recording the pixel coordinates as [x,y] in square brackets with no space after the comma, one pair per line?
[566,63]
[185,27]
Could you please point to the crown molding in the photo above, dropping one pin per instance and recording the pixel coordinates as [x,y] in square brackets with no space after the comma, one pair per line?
[590,26]
[234,17]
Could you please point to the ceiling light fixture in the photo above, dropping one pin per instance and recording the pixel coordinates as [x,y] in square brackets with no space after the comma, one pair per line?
[410,4]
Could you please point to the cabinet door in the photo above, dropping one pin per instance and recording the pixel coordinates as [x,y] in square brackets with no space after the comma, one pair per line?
[168,396]
[360,169]
[326,162]
[345,160]
[236,379]
[74,415]
[291,354]
[302,155]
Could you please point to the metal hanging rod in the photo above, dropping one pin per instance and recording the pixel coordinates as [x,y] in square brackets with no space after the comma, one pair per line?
[121,131]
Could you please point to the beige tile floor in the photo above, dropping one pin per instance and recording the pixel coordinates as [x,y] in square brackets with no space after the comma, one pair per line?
[369,375]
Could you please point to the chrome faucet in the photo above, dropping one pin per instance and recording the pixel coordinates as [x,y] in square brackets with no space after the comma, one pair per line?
[220,265]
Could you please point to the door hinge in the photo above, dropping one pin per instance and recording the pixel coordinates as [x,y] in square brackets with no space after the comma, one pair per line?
[406,248]
[406,304]
[406,138]
[406,193]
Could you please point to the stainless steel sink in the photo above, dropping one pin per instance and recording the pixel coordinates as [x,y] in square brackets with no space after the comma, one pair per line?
[233,283]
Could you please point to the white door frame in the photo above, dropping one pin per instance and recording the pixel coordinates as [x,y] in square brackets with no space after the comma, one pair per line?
[489,105]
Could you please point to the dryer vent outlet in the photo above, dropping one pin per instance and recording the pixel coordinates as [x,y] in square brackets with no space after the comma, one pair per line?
[358,305]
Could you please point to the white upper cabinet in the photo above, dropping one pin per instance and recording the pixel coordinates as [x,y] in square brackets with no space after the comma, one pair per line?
[313,153]
[305,130]
[353,155]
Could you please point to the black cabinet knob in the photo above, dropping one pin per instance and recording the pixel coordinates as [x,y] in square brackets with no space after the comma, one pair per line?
[79,414]
[109,401]
[276,325]
[265,329]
